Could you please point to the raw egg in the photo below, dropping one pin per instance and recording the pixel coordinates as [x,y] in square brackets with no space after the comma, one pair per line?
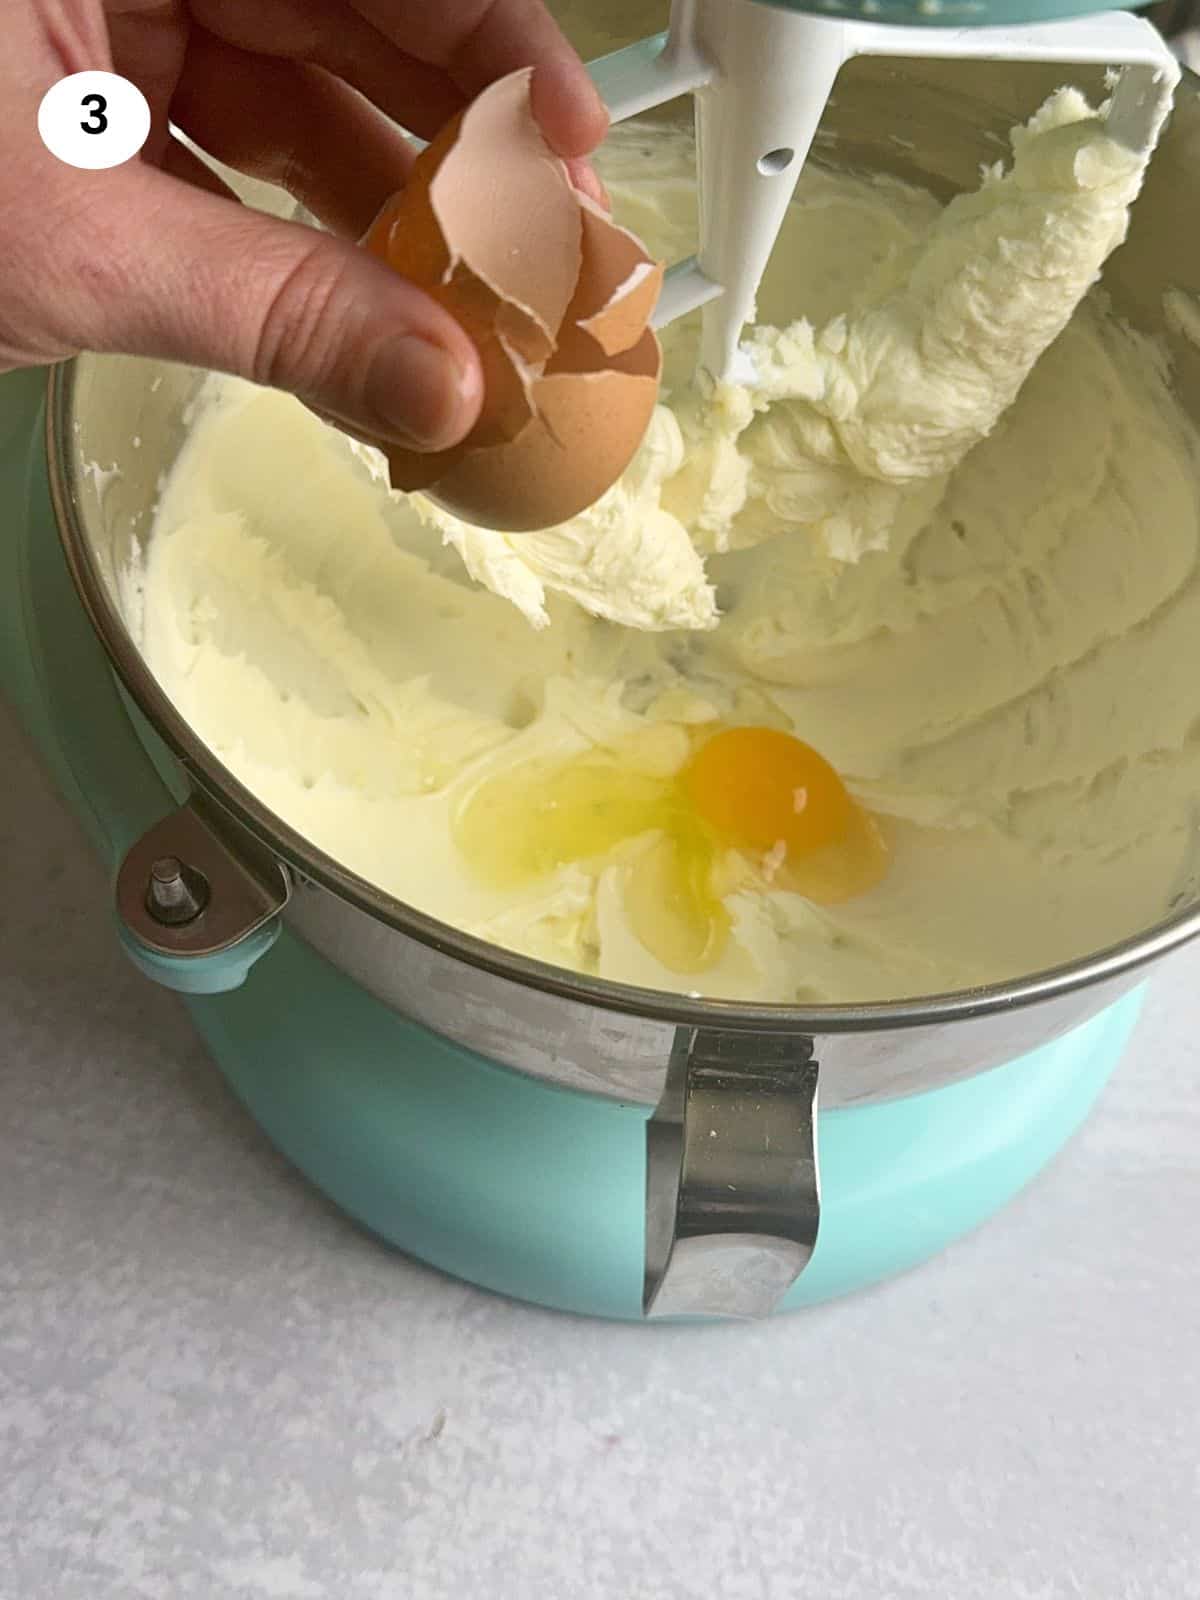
[557,300]
[746,797]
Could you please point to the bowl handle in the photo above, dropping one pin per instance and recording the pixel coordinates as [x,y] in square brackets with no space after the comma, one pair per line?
[732,1181]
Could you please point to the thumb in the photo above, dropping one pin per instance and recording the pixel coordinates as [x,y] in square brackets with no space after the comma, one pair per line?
[198,278]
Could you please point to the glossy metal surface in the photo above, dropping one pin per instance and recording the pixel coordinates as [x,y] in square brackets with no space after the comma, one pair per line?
[733,1194]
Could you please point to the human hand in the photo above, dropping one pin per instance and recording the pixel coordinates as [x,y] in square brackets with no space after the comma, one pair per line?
[157,258]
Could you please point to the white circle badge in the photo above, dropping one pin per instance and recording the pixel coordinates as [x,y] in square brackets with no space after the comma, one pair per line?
[94,120]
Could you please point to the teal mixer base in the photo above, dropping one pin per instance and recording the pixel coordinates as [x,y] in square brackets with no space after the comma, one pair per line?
[528,1190]
[537,1193]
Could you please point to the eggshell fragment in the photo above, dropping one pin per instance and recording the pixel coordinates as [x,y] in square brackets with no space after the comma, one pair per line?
[557,300]
[408,236]
[618,285]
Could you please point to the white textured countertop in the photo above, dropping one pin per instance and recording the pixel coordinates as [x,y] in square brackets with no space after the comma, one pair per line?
[212,1385]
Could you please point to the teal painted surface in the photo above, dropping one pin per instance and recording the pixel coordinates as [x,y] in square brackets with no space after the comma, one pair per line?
[202,975]
[525,1189]
[537,1193]
[51,664]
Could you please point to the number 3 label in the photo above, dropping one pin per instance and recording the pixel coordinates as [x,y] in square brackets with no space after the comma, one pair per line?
[94,120]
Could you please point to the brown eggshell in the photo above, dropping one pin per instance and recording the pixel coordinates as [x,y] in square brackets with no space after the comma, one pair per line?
[556,298]
[619,324]
[618,284]
[407,236]
[506,207]
[508,385]
[452,224]
[378,236]
[587,430]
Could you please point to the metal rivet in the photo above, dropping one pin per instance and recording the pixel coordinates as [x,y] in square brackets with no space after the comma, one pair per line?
[176,893]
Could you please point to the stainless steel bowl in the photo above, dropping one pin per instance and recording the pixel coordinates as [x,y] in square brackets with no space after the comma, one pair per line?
[752,1069]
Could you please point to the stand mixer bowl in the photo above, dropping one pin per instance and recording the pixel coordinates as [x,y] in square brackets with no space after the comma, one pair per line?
[732,1188]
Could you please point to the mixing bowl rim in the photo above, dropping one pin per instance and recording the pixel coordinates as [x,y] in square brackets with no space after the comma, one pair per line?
[208,773]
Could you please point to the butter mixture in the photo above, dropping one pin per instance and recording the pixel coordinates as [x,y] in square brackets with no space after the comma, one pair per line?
[920,358]
[942,561]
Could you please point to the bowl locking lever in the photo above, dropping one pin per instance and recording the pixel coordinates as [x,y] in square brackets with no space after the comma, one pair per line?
[732,1182]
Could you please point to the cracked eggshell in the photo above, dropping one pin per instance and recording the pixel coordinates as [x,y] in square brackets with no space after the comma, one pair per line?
[556,298]
[618,285]
[586,431]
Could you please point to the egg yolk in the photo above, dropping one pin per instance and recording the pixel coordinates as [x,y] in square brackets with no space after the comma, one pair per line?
[745,792]
[757,786]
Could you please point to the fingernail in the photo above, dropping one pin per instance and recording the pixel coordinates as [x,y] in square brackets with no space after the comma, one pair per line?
[586,179]
[419,393]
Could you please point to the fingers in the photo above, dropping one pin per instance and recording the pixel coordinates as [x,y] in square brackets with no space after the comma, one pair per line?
[196,278]
[293,125]
[147,44]
[414,93]
[478,41]
[584,176]
[419,60]
[568,106]
[296,126]
[183,163]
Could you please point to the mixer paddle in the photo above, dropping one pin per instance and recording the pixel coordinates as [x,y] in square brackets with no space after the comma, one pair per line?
[761,75]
